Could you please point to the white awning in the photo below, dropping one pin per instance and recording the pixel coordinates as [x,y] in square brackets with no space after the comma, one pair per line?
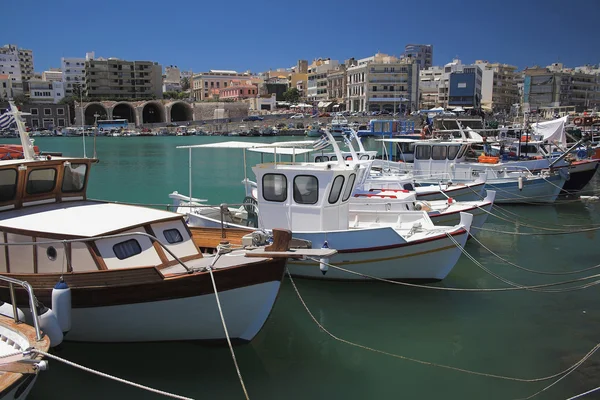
[324,104]
[280,150]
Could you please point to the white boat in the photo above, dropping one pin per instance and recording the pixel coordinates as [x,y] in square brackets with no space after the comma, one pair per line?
[313,201]
[20,363]
[136,274]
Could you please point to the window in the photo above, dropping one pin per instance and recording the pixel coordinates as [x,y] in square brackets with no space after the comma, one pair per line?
[423,152]
[34,111]
[126,249]
[336,189]
[364,157]
[333,158]
[438,152]
[74,178]
[462,151]
[349,187]
[61,122]
[41,181]
[275,187]
[35,122]
[452,152]
[306,189]
[173,236]
[60,111]
[47,111]
[321,158]
[8,185]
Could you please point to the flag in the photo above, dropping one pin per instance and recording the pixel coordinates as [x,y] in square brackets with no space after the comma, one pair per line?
[6,120]
[321,143]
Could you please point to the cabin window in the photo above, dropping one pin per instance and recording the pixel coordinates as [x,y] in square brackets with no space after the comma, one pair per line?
[408,186]
[41,181]
[349,187]
[126,249]
[8,185]
[321,158]
[438,152]
[423,152]
[275,187]
[173,236]
[336,189]
[461,152]
[364,157]
[348,158]
[333,158]
[74,178]
[306,189]
[452,152]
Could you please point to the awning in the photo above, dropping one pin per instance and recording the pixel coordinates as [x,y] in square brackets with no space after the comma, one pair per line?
[336,106]
[324,104]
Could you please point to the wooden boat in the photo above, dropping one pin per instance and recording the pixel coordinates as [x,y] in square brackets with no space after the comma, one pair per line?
[136,274]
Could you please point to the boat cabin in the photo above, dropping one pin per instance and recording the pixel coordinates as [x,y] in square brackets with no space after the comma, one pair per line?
[305,196]
[44,199]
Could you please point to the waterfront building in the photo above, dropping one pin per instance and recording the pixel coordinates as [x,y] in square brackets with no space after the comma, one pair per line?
[421,53]
[46,92]
[47,116]
[277,86]
[16,62]
[238,90]
[172,79]
[382,83]
[465,87]
[336,87]
[261,103]
[439,77]
[316,88]
[499,90]
[52,75]
[206,85]
[73,73]
[557,86]
[429,83]
[114,78]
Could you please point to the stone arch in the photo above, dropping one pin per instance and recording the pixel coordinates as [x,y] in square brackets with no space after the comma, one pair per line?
[94,108]
[153,112]
[180,111]
[124,110]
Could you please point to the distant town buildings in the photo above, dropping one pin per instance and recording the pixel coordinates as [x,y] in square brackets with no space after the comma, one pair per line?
[316,89]
[114,78]
[207,85]
[421,53]
[18,65]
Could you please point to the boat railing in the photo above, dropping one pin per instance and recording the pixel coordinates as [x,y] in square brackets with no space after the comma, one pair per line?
[32,302]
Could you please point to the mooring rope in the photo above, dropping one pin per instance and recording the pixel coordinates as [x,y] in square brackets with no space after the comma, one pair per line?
[453,289]
[214,284]
[584,394]
[532,270]
[433,364]
[105,375]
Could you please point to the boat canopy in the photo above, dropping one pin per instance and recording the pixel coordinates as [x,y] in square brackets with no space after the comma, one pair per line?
[552,130]
[397,140]
[249,145]
[286,151]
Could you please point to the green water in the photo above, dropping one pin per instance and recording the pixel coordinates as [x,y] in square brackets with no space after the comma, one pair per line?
[518,334]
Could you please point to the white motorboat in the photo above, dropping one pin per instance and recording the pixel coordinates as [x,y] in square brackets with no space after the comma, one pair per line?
[313,201]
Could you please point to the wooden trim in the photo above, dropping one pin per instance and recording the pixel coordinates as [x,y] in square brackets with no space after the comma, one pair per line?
[159,250]
[6,254]
[142,285]
[35,254]
[95,252]
[458,232]
[183,259]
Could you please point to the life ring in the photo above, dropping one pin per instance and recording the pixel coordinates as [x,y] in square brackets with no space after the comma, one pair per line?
[578,121]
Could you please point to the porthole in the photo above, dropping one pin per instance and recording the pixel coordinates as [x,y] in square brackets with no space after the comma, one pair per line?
[51,253]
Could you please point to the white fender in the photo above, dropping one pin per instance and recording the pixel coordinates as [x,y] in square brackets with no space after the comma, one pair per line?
[520,183]
[61,305]
[49,324]
[6,309]
[323,261]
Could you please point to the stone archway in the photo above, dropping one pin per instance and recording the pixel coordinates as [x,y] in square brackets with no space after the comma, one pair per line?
[153,112]
[124,111]
[94,109]
[181,111]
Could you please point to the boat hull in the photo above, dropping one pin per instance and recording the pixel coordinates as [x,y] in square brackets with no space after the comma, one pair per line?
[431,259]
[537,190]
[181,307]
[580,173]
[467,192]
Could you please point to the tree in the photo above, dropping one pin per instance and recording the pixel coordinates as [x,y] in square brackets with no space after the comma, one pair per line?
[185,83]
[292,95]
[21,99]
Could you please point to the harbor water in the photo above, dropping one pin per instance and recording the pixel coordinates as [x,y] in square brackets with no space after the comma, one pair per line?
[519,334]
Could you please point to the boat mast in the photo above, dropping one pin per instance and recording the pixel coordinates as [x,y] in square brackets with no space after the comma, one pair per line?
[28,152]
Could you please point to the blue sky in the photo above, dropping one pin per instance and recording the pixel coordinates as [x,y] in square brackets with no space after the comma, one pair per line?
[241,34]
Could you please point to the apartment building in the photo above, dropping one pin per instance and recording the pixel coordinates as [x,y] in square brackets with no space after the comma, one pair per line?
[46,92]
[115,79]
[73,73]
[421,53]
[382,83]
[207,85]
[499,91]
[465,87]
[52,75]
[336,85]
[316,87]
